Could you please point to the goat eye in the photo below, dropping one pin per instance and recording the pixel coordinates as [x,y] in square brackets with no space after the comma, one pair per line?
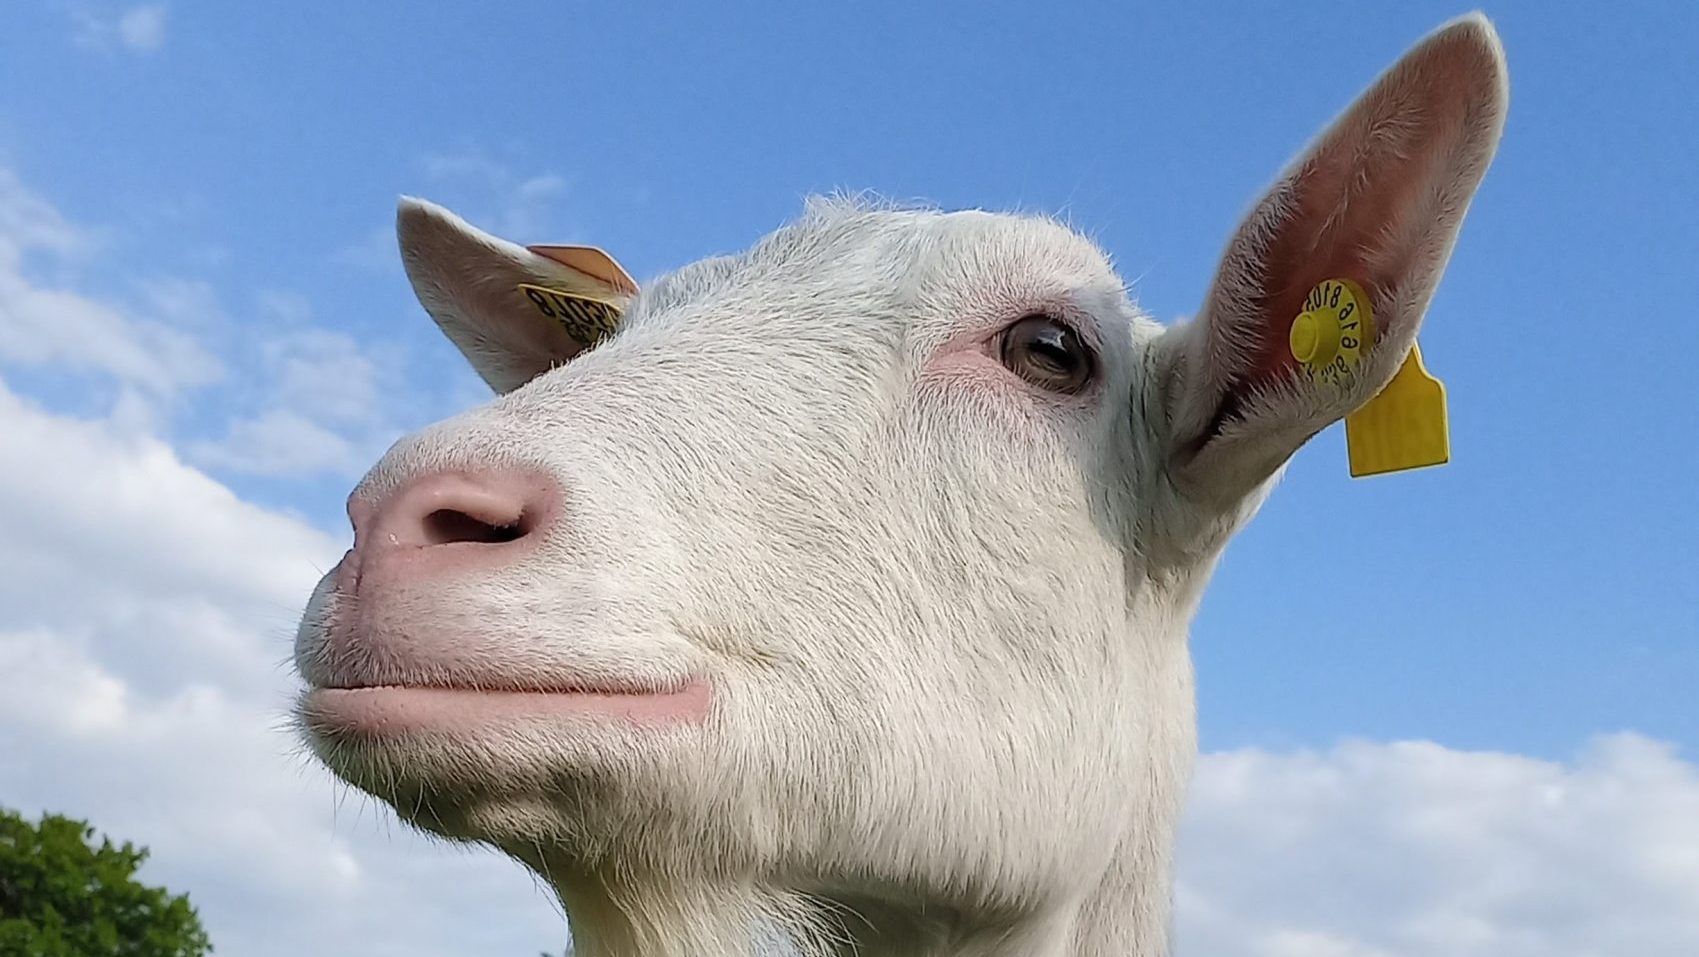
[1048,354]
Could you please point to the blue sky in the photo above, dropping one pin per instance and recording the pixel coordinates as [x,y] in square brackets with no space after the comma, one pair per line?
[231,172]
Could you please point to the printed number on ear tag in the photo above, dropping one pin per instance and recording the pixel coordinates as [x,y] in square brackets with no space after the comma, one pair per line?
[1333,333]
[1405,425]
[587,320]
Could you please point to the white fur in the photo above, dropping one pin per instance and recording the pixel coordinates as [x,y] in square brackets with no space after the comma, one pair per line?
[943,612]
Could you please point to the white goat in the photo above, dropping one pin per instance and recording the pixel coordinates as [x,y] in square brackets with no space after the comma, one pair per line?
[844,590]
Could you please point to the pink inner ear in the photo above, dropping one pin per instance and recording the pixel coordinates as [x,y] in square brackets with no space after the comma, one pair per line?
[592,262]
[1376,198]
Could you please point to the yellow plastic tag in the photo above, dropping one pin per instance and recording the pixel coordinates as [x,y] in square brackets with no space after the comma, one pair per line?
[1403,427]
[1333,333]
[587,320]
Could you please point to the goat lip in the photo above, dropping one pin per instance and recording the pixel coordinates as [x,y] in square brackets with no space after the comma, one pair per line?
[389,710]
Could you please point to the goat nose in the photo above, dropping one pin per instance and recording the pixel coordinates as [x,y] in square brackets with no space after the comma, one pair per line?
[488,510]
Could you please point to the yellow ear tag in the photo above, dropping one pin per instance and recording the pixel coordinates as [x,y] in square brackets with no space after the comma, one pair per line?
[586,319]
[1403,427]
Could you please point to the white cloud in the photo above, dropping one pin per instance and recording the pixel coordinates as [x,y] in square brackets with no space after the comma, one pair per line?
[145,621]
[1415,850]
[296,399]
[185,303]
[376,251]
[29,222]
[281,442]
[142,28]
[69,330]
[325,373]
[490,193]
[500,199]
[323,404]
[100,513]
[139,29]
[44,322]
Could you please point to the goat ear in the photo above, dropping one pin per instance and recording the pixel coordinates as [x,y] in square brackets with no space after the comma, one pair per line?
[1378,200]
[513,312]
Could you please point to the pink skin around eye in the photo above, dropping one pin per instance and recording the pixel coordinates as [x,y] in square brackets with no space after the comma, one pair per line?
[969,360]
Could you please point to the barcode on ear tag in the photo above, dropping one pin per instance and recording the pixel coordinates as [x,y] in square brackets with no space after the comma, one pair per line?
[585,319]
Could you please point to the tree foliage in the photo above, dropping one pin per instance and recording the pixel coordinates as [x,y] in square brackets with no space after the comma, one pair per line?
[62,895]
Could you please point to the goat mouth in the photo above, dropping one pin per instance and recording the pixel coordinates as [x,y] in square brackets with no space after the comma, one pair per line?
[381,711]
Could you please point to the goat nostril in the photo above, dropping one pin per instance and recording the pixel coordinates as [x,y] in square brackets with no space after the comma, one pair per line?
[448,509]
[447,526]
